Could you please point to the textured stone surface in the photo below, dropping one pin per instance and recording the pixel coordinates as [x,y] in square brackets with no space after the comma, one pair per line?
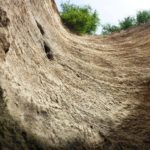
[62,91]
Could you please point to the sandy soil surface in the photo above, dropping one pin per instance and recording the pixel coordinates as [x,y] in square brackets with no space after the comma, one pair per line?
[63,91]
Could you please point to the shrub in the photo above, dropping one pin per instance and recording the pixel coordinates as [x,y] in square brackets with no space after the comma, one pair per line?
[80,20]
[127,23]
[108,29]
[143,17]
[123,25]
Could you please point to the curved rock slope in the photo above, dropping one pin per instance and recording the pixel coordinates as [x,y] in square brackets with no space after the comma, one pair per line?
[62,91]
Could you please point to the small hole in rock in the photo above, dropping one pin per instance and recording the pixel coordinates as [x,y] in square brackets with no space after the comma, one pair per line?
[78,75]
[91,126]
[38,112]
[4,43]
[48,51]
[6,48]
[4,20]
[24,134]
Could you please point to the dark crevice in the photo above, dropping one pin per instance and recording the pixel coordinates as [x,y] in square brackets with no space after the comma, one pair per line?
[4,20]
[6,48]
[4,44]
[48,51]
[40,28]
[1,101]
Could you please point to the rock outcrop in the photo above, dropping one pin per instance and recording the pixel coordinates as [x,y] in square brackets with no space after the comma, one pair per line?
[63,91]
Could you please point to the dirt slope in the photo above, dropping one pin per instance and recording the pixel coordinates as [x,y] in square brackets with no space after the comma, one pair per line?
[62,91]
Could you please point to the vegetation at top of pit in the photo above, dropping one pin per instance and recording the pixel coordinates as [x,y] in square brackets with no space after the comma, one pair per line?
[80,20]
[142,17]
[83,20]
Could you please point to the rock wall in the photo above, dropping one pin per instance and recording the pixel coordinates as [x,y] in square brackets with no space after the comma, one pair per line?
[63,91]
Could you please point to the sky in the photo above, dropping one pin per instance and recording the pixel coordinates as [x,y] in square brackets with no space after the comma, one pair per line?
[111,11]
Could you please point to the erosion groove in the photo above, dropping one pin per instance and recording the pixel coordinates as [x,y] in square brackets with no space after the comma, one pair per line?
[40,28]
[94,95]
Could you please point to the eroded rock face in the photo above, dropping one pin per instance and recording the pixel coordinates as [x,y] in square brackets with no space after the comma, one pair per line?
[62,91]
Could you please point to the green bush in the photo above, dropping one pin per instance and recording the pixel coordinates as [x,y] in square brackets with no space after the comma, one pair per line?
[108,29]
[143,17]
[80,20]
[127,23]
[123,25]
